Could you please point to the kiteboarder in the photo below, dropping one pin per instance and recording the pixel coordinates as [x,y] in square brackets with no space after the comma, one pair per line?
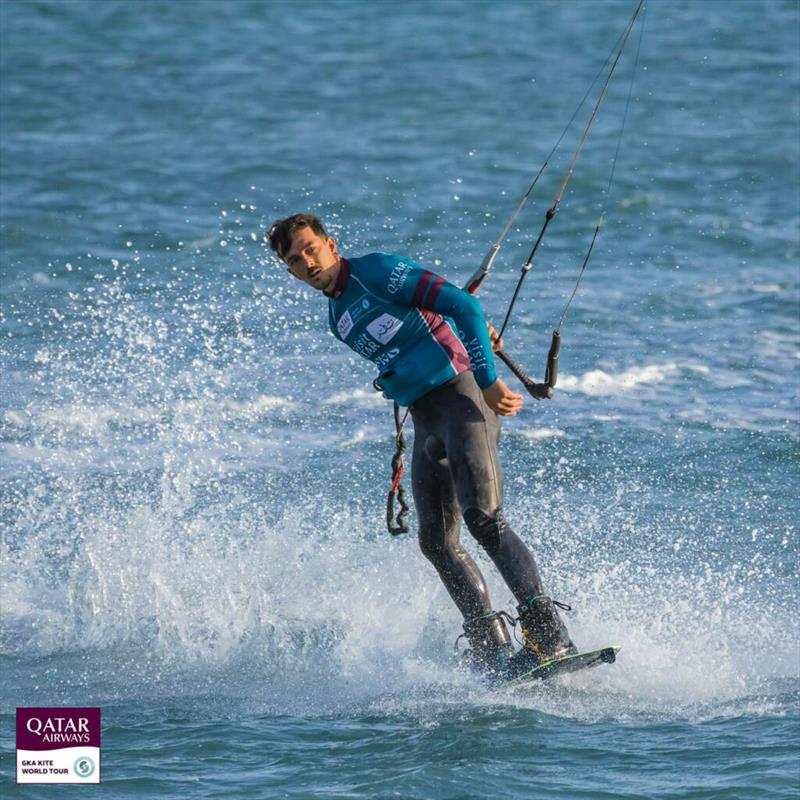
[433,350]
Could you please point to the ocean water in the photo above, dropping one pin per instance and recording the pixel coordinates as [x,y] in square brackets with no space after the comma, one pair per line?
[193,471]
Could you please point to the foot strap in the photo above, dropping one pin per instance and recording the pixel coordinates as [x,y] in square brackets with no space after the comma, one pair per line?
[528,604]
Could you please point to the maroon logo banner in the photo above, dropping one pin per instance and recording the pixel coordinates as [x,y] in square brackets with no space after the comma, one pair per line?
[58,745]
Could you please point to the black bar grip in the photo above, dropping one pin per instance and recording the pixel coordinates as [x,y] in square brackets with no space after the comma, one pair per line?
[539,391]
[551,370]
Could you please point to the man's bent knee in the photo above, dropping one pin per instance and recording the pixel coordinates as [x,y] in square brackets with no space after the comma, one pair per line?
[487,529]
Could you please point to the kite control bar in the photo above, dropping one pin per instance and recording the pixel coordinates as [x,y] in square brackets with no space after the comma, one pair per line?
[539,391]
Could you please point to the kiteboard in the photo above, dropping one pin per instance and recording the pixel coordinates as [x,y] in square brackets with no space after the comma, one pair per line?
[563,666]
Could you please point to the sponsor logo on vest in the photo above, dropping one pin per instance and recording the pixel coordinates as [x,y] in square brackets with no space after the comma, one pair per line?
[398,277]
[476,354]
[358,309]
[384,359]
[384,327]
[365,346]
[345,324]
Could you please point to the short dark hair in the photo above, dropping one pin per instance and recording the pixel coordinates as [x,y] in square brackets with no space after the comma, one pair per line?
[280,233]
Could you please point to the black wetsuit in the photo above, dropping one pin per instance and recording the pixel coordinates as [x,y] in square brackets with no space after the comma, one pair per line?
[455,472]
[429,340]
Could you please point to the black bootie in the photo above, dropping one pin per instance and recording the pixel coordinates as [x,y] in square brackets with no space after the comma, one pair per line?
[489,642]
[543,631]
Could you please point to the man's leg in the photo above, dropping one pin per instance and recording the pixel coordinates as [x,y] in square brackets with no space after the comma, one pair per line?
[473,431]
[472,434]
[439,525]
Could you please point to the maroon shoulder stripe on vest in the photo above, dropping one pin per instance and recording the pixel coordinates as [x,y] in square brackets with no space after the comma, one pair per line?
[434,292]
[421,288]
[450,343]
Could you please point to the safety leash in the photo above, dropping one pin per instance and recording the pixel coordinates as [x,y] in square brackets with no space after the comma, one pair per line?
[397,523]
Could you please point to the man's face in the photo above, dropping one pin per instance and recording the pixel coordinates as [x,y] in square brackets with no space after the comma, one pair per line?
[313,259]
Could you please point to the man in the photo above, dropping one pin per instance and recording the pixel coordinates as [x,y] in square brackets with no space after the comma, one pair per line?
[432,346]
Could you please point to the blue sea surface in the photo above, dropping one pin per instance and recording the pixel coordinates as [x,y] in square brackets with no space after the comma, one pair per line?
[193,472]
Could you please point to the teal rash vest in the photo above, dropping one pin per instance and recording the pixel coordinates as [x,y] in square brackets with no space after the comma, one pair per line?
[419,330]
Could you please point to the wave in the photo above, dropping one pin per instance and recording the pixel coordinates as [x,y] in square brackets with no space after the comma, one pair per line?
[598,382]
[357,397]
[187,586]
[536,434]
